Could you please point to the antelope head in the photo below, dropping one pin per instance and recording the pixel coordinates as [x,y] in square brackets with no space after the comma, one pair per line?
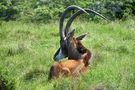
[68,43]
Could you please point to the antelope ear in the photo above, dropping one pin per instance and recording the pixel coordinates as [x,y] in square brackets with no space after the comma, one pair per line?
[71,34]
[81,36]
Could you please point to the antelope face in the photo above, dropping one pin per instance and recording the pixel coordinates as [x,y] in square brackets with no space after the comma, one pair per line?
[61,52]
[68,47]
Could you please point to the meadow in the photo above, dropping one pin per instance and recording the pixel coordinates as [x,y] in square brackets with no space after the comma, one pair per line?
[27,49]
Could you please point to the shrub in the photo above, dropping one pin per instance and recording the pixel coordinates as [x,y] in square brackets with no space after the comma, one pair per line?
[45,10]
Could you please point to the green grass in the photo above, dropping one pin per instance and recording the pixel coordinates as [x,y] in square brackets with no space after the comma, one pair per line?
[26,51]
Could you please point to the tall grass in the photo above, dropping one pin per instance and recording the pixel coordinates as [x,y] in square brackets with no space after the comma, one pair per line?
[26,51]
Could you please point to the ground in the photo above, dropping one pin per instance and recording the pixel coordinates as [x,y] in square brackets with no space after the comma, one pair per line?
[27,49]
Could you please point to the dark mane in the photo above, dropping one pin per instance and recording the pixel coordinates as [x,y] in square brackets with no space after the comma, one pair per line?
[84,52]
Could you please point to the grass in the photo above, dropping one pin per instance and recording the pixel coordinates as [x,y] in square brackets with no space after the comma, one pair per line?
[26,51]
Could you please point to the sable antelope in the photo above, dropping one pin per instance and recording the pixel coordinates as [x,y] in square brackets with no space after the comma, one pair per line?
[62,52]
[71,47]
[72,67]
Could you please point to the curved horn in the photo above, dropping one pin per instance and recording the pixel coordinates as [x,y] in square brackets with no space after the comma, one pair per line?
[62,34]
[77,14]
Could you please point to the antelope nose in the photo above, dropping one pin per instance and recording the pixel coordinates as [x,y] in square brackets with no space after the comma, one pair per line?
[58,55]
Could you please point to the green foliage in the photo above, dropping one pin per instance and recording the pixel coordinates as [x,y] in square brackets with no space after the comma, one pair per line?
[26,51]
[46,10]
[6,83]
[7,10]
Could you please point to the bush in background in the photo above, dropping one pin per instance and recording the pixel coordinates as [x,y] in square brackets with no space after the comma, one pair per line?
[45,10]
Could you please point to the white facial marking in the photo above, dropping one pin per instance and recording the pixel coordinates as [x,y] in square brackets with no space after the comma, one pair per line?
[60,55]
